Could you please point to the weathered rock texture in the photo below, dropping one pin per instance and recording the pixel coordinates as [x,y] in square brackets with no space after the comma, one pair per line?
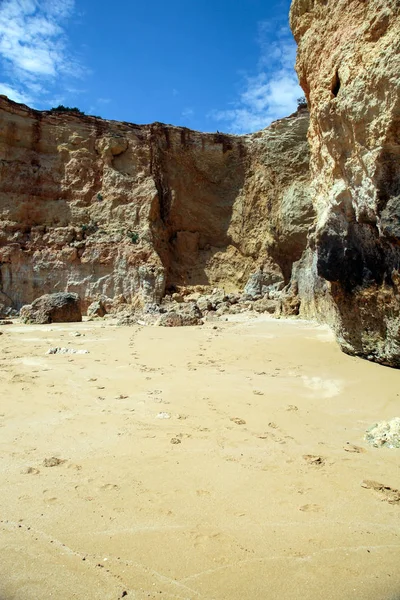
[121,211]
[348,65]
[61,307]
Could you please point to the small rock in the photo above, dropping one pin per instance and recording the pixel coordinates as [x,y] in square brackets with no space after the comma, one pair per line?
[384,433]
[163,415]
[175,440]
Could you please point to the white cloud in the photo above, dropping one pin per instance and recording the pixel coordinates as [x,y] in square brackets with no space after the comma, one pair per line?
[187,112]
[33,44]
[270,94]
[10,92]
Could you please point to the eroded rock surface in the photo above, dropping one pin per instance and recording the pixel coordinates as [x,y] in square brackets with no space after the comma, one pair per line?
[122,211]
[348,65]
[62,307]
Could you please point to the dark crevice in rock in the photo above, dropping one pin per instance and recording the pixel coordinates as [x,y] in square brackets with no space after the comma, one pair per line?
[158,171]
[335,87]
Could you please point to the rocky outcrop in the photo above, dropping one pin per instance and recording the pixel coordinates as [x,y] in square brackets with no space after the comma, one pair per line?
[348,65]
[122,211]
[62,307]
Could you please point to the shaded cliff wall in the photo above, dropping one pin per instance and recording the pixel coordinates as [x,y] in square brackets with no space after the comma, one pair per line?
[348,64]
[102,207]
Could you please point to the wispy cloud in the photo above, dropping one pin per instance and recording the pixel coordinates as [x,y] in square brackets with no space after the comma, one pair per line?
[187,112]
[10,92]
[272,92]
[34,47]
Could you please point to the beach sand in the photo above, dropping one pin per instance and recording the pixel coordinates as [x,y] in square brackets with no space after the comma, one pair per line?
[222,462]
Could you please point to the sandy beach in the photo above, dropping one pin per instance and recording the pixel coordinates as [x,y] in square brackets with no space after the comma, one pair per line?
[222,462]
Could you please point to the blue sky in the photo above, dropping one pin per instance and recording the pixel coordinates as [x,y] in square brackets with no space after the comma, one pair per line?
[204,64]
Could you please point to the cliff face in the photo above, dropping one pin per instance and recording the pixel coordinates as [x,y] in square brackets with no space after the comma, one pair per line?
[102,207]
[348,65]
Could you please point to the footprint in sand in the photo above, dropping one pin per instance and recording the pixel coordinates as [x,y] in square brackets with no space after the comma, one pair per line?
[109,487]
[30,471]
[203,493]
[238,421]
[310,508]
[354,449]
[52,500]
[388,494]
[313,460]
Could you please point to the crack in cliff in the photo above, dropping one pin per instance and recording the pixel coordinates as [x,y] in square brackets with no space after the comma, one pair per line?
[157,169]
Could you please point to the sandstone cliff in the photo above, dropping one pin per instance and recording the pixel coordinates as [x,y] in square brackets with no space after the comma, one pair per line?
[348,65]
[103,207]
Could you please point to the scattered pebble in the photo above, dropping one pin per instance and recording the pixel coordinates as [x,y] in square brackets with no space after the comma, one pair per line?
[53,462]
[175,440]
[66,351]
[163,415]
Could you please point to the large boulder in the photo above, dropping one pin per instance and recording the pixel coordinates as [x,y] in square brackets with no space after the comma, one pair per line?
[61,307]
[261,282]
